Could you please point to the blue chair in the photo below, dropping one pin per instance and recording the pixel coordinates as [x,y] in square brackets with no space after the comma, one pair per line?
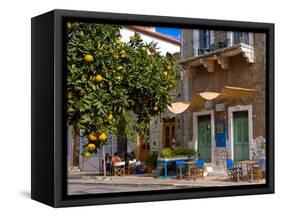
[199,169]
[262,164]
[180,166]
[200,164]
[262,167]
[234,172]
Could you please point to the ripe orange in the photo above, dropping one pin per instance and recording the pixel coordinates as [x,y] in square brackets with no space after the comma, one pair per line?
[144,49]
[109,117]
[98,78]
[89,58]
[91,146]
[87,154]
[123,53]
[102,137]
[155,108]
[92,137]
[69,95]
[169,67]
[119,68]
[118,42]
[69,25]
[119,78]
[165,74]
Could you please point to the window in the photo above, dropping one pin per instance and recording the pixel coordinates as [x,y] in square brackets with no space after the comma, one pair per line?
[204,39]
[241,37]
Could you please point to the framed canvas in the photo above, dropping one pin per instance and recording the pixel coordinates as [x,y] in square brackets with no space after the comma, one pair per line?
[132,108]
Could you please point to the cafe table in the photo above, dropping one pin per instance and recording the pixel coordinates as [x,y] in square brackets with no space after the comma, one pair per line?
[249,167]
[163,163]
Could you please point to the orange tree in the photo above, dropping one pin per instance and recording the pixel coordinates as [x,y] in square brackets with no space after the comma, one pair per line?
[107,78]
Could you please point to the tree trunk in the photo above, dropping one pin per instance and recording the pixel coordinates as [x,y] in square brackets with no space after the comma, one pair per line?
[122,140]
[75,144]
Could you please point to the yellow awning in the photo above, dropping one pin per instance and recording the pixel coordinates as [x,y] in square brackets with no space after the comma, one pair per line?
[226,93]
[235,92]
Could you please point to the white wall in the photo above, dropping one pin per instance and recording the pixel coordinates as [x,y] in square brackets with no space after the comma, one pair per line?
[163,45]
[15,107]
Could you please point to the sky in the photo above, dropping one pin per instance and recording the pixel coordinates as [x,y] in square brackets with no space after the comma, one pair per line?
[173,32]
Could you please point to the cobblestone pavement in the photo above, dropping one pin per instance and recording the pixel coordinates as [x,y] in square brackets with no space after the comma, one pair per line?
[100,184]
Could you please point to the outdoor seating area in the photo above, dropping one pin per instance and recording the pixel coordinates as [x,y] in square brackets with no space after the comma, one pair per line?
[184,168]
[246,170]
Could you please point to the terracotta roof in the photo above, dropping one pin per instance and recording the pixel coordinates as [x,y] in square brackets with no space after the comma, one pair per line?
[158,35]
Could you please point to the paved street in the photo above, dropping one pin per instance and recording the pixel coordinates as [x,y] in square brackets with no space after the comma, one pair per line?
[100,184]
[75,189]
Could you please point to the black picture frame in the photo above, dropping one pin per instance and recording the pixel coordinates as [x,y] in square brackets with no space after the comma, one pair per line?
[48,149]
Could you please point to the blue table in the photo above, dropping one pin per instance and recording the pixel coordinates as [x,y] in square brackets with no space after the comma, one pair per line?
[166,161]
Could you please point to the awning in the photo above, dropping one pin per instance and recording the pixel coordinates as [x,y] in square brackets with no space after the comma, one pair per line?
[178,107]
[227,93]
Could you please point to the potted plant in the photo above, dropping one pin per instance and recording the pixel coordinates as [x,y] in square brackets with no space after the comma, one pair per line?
[184,151]
[166,153]
[151,162]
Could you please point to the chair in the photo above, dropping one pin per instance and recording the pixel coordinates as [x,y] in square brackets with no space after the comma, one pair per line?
[199,169]
[119,169]
[262,167]
[181,166]
[130,168]
[234,172]
[258,170]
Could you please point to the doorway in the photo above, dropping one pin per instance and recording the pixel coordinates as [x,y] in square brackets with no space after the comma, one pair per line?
[241,135]
[169,133]
[204,145]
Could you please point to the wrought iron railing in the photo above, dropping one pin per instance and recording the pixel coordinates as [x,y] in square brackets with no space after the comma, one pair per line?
[213,47]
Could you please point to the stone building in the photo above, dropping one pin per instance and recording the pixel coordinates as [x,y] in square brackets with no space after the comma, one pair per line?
[233,127]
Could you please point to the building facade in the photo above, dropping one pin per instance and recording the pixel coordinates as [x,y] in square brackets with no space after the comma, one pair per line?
[230,128]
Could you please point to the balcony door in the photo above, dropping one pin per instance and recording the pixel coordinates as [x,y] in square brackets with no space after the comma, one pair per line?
[204,39]
[241,37]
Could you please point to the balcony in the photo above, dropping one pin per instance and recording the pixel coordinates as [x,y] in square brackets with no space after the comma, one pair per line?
[219,55]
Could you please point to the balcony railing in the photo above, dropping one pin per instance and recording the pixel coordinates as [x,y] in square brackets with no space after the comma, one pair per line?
[214,47]
[219,56]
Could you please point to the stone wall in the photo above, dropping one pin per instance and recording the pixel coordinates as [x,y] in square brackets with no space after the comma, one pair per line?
[187,44]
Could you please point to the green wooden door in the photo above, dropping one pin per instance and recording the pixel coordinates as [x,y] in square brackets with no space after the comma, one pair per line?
[204,138]
[241,135]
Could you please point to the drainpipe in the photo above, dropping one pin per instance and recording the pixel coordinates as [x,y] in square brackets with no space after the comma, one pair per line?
[182,71]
